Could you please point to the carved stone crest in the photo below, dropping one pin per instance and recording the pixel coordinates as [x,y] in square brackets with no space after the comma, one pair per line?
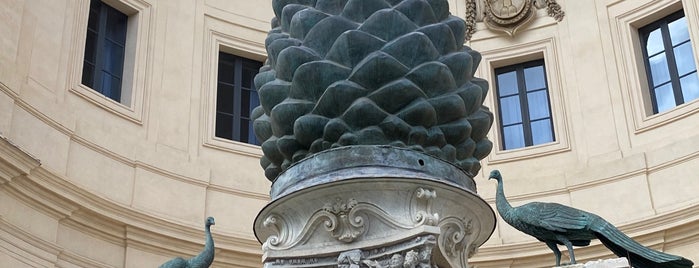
[508,15]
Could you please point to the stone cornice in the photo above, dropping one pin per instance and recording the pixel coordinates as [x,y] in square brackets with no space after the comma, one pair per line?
[15,161]
[82,210]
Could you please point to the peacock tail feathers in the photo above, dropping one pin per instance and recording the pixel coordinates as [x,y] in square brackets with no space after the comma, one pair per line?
[638,255]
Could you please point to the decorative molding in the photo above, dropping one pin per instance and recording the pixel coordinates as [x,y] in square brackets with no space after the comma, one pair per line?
[470,18]
[345,221]
[15,161]
[421,207]
[508,15]
[412,253]
[553,9]
[496,17]
[342,221]
[455,243]
[59,198]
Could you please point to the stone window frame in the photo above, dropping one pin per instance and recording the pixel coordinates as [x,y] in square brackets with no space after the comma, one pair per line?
[137,57]
[238,99]
[543,49]
[522,95]
[625,22]
[675,77]
[219,37]
[105,57]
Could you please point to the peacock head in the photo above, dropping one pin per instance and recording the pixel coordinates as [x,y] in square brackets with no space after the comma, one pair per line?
[210,221]
[495,174]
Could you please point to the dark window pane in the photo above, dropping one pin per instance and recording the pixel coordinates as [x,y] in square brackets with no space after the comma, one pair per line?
[245,130]
[252,139]
[104,59]
[507,83]
[225,98]
[106,84]
[665,98]
[226,72]
[690,87]
[511,110]
[659,70]
[534,78]
[654,43]
[94,15]
[88,75]
[542,131]
[513,137]
[538,104]
[254,100]
[113,58]
[115,93]
[224,126]
[248,77]
[90,47]
[116,26]
[236,75]
[678,31]
[245,103]
[684,58]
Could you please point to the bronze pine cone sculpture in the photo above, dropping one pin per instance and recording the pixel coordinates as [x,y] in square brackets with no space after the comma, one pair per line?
[369,72]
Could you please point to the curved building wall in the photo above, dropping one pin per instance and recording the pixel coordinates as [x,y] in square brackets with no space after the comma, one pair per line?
[86,181]
[90,182]
[611,155]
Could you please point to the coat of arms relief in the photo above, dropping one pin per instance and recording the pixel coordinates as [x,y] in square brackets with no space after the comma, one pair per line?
[507,16]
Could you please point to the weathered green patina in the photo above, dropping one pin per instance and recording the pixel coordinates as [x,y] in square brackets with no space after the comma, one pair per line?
[556,224]
[203,259]
[369,72]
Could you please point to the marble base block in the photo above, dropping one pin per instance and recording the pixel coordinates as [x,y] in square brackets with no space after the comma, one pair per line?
[609,263]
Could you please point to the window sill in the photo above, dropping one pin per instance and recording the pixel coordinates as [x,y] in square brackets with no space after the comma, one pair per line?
[234,147]
[133,114]
[503,156]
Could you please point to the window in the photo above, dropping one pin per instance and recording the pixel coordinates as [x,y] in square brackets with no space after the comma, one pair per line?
[236,97]
[105,45]
[669,59]
[523,102]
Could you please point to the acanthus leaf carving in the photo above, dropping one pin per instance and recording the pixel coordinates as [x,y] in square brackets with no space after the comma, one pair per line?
[342,220]
[454,241]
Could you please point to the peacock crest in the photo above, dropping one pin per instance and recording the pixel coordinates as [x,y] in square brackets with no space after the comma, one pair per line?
[369,72]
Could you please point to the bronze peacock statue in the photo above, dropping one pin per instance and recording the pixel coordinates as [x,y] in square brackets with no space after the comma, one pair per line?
[556,224]
[205,257]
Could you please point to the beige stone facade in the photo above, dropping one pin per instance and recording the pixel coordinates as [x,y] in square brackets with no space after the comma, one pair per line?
[86,181]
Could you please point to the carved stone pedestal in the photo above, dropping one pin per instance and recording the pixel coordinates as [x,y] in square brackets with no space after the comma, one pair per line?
[368,206]
[609,263]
